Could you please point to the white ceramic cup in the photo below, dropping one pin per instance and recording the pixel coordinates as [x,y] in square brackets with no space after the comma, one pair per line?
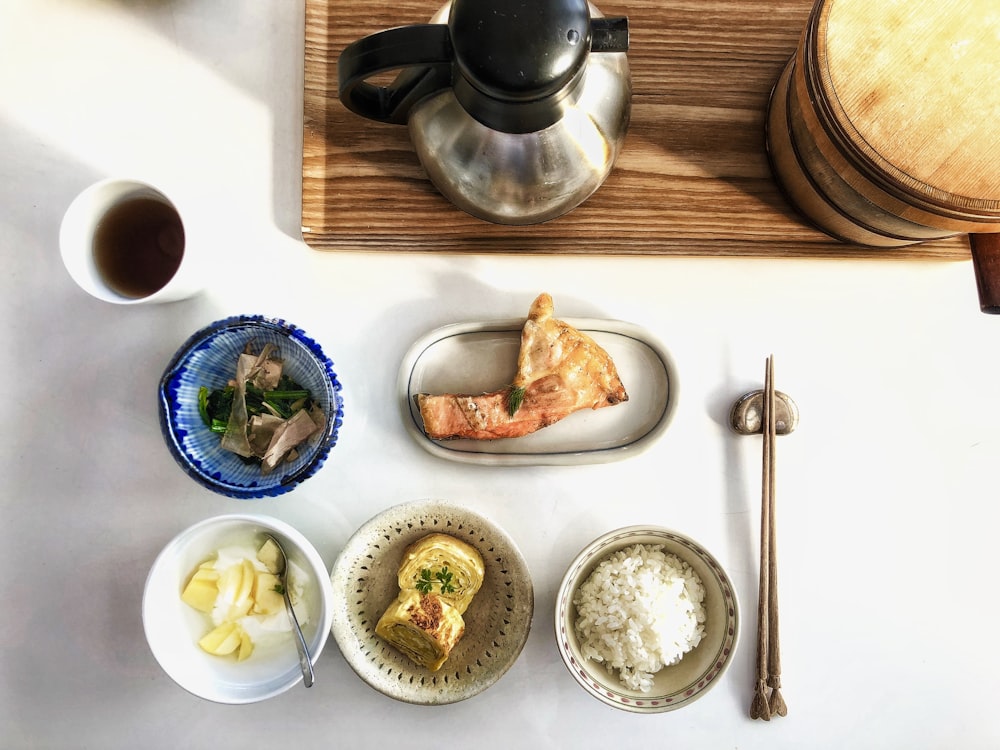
[156,234]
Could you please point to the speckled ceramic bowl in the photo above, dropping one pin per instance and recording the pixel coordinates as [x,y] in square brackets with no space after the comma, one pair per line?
[209,359]
[365,579]
[173,628]
[679,684]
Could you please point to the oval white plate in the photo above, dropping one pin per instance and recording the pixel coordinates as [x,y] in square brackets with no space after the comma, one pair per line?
[496,623]
[474,358]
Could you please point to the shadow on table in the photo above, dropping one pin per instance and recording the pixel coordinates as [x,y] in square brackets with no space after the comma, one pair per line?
[253,46]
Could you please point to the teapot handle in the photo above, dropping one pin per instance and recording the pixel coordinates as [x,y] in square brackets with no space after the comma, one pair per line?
[422,52]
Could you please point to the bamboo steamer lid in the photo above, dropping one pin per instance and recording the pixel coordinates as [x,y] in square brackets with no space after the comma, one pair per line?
[916,86]
[884,127]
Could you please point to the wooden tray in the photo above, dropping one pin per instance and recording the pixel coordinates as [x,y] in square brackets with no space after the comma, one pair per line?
[693,177]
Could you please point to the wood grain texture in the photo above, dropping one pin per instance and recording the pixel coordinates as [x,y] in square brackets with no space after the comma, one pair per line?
[693,177]
[876,59]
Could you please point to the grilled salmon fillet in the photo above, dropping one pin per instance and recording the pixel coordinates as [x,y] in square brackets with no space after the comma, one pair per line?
[560,370]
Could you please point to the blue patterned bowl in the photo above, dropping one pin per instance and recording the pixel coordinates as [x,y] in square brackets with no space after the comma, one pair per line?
[209,358]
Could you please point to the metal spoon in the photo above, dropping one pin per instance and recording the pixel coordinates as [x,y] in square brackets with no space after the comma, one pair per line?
[305,661]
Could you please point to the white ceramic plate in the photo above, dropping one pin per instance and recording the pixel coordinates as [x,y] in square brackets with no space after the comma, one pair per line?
[482,357]
[496,623]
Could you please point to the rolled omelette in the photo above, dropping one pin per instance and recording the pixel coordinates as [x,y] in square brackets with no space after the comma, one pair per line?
[434,553]
[424,627]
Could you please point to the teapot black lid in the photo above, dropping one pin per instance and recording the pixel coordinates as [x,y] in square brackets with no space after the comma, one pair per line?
[516,61]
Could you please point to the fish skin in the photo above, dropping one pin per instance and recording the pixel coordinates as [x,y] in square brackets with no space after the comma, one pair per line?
[562,370]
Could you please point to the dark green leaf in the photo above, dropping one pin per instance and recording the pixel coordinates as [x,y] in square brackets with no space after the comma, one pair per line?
[203,406]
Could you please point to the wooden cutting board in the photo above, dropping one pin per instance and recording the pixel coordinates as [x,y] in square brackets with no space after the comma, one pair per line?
[693,177]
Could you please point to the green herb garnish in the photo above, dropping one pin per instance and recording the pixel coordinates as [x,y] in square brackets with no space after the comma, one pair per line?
[444,576]
[425,584]
[278,589]
[515,397]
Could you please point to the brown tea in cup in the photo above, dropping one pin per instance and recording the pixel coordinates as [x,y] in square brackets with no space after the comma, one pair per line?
[138,246]
[124,241]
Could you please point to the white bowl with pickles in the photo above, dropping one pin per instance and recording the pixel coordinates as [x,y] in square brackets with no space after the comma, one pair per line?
[214,614]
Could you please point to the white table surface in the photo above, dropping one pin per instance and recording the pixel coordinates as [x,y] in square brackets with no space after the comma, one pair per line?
[887,499]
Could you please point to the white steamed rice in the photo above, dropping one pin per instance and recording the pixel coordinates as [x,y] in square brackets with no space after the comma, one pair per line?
[639,611]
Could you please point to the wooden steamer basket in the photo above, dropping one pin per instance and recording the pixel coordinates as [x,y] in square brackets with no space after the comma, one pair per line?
[884,127]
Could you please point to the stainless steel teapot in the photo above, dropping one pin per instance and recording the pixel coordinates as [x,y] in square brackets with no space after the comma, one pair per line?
[517,109]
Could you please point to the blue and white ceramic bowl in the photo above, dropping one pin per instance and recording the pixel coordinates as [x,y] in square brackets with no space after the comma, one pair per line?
[209,358]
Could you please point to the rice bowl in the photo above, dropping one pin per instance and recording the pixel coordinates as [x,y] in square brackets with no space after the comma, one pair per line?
[639,611]
[670,686]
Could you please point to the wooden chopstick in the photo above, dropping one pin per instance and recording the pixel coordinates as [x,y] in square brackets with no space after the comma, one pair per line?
[776,702]
[767,699]
[760,706]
